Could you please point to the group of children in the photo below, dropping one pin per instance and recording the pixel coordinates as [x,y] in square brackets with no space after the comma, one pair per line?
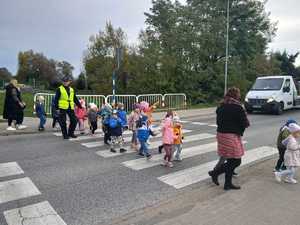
[141,124]
[114,123]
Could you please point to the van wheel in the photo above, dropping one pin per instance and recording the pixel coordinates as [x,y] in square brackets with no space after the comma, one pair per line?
[280,108]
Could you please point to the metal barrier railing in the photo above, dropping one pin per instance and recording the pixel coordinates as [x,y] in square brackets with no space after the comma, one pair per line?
[152,98]
[175,101]
[99,100]
[127,100]
[170,101]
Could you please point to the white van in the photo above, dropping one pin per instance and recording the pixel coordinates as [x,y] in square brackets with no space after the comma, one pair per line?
[272,94]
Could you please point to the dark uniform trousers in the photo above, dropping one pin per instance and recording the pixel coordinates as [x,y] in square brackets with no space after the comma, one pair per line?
[63,122]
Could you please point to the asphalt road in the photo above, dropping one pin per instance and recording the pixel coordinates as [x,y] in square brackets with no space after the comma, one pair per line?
[87,189]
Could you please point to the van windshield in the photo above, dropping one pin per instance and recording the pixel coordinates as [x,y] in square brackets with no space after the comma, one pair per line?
[268,84]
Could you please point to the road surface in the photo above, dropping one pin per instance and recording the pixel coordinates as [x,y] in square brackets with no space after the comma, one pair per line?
[44,179]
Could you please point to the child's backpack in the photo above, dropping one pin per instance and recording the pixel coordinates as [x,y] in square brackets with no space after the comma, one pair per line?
[113,123]
[283,134]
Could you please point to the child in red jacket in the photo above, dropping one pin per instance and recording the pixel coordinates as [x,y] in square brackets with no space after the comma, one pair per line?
[81,115]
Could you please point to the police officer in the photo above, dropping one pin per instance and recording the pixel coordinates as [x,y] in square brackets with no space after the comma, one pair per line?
[65,100]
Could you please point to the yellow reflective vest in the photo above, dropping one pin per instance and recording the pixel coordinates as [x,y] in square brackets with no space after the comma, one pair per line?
[66,100]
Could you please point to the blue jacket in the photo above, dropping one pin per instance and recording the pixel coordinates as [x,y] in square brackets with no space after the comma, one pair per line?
[143,133]
[115,126]
[123,116]
[40,109]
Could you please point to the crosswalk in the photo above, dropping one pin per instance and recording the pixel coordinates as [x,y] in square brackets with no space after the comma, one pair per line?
[15,185]
[23,188]
[196,143]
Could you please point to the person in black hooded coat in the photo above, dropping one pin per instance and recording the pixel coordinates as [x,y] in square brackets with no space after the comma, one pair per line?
[13,106]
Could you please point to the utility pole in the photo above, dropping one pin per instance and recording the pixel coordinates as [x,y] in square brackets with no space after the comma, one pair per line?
[227,48]
[118,61]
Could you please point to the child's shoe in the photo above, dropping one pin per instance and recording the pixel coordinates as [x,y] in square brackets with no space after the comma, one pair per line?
[170,165]
[178,159]
[41,128]
[164,163]
[113,150]
[122,150]
[277,176]
[290,180]
[141,154]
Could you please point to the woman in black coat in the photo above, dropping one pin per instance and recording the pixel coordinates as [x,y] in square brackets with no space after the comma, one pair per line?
[13,106]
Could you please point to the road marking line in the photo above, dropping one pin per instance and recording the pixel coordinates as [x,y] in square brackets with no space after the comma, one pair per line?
[100,143]
[37,214]
[126,141]
[17,189]
[155,144]
[184,121]
[186,177]
[86,137]
[200,124]
[213,125]
[59,134]
[10,169]
[140,164]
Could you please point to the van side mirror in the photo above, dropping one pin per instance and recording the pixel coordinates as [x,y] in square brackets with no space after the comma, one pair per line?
[286,89]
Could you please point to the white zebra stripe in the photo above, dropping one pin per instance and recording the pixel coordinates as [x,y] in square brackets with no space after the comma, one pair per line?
[199,173]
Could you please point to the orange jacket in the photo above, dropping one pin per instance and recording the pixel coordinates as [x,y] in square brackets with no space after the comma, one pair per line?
[178,135]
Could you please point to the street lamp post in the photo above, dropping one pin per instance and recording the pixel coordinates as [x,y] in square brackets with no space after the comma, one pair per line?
[118,61]
[227,48]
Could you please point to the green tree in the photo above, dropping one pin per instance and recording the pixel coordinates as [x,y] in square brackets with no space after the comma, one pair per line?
[287,62]
[5,75]
[189,41]
[100,59]
[64,68]
[80,82]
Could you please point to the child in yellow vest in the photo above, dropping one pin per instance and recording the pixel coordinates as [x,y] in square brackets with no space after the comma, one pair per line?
[178,137]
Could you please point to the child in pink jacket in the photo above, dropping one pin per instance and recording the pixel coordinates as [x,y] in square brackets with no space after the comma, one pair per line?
[81,115]
[168,139]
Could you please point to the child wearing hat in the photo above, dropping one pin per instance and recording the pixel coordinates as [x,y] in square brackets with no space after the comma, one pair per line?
[132,124]
[168,139]
[40,112]
[81,115]
[122,115]
[105,113]
[291,157]
[283,134]
[115,131]
[178,137]
[93,117]
[143,134]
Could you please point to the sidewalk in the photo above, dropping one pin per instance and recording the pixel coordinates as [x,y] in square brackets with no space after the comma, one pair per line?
[262,201]
[32,122]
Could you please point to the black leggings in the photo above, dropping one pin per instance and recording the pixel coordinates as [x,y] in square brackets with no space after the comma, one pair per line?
[94,126]
[280,162]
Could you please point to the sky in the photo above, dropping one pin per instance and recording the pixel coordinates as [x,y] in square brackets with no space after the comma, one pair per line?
[61,28]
